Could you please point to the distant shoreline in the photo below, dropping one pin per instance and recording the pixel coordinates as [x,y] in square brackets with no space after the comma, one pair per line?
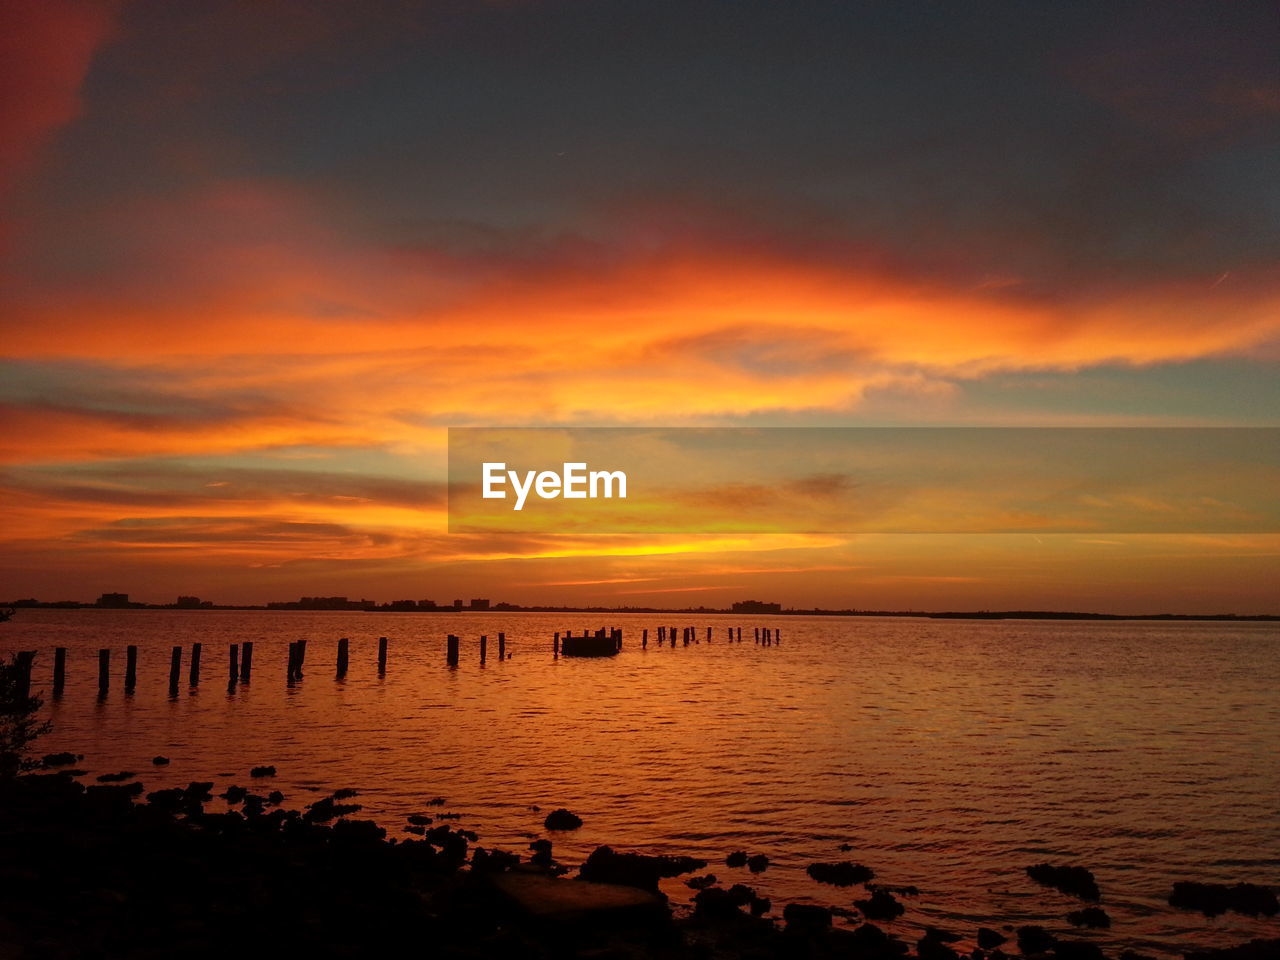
[515,608]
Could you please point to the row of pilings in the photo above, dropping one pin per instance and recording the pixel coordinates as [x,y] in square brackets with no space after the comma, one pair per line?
[605,641]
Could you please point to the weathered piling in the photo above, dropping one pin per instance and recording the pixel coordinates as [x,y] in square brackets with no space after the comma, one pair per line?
[130,668]
[686,636]
[175,670]
[451,652]
[739,634]
[644,639]
[382,655]
[302,657]
[342,657]
[59,670]
[23,663]
[233,664]
[195,664]
[104,671]
[484,647]
[555,646]
[757,632]
[291,671]
[502,645]
[246,661]
[708,634]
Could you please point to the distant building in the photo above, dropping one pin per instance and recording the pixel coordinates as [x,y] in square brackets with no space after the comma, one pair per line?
[113,600]
[426,604]
[479,604]
[457,604]
[189,603]
[756,606]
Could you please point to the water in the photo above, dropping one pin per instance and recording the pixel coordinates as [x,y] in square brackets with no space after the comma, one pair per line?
[949,754]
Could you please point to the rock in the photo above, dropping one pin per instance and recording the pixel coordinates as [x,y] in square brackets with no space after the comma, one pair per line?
[1077,950]
[881,905]
[357,832]
[927,948]
[322,811]
[562,819]
[234,794]
[60,759]
[199,791]
[1033,939]
[1213,899]
[869,942]
[715,903]
[843,874]
[845,847]
[989,939]
[541,853]
[117,777]
[492,861]
[760,906]
[635,869]
[265,771]
[578,902]
[1094,918]
[436,802]
[420,819]
[275,798]
[1073,881]
[736,859]
[1253,950]
[701,883]
[758,864]
[806,919]
[160,761]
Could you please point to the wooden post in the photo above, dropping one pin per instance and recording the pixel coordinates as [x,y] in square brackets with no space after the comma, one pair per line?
[22,667]
[246,661]
[708,634]
[382,655]
[451,653]
[302,656]
[104,672]
[291,671]
[555,646]
[342,657]
[130,668]
[502,645]
[686,636]
[175,670]
[59,670]
[233,664]
[644,639]
[739,634]
[777,635]
[757,631]
[195,664]
[484,648]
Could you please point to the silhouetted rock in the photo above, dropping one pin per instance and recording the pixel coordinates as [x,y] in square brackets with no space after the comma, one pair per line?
[1212,899]
[492,861]
[736,859]
[117,777]
[420,819]
[1074,881]
[264,771]
[989,939]
[635,869]
[929,948]
[275,798]
[806,919]
[160,761]
[845,847]
[541,852]
[758,864]
[1077,950]
[843,874]
[1034,939]
[1093,917]
[701,883]
[346,793]
[760,906]
[715,903]
[322,811]
[881,905]
[869,942]
[1253,950]
[60,759]
[234,794]
[199,791]
[357,832]
[438,802]
[562,819]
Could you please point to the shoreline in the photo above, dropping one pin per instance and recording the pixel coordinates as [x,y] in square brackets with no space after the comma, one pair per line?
[114,863]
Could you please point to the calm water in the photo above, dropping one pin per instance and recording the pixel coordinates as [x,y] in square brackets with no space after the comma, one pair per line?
[949,754]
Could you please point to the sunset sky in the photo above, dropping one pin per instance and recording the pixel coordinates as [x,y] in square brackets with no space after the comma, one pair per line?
[256,257]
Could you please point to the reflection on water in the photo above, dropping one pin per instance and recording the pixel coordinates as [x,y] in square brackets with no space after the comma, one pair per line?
[948,754]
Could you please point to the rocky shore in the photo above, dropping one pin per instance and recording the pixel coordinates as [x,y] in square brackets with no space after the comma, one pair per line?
[110,869]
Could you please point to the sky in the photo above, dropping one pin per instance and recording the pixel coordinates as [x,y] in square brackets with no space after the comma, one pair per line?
[257,257]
